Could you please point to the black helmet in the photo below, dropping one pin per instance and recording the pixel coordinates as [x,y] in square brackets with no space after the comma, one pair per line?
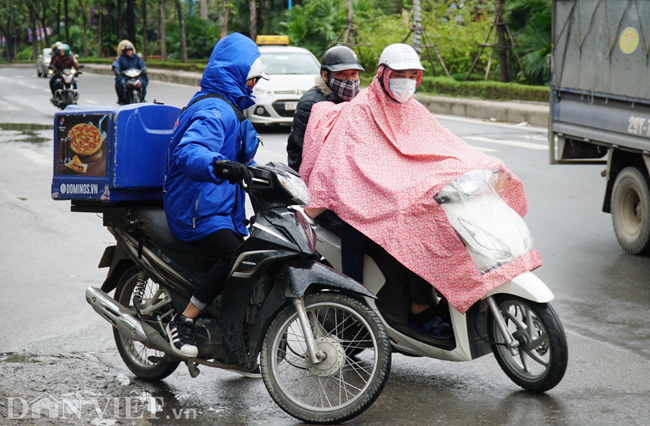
[340,58]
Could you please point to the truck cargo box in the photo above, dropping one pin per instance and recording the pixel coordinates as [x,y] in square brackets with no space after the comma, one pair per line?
[600,86]
[111,154]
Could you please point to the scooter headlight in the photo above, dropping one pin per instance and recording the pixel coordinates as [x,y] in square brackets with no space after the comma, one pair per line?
[498,250]
[295,187]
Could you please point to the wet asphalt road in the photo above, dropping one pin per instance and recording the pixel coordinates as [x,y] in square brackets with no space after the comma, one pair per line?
[56,350]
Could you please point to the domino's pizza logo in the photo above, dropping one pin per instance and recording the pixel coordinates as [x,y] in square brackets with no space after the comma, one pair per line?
[62,188]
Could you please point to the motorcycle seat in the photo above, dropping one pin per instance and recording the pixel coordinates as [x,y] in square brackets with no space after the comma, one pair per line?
[157,229]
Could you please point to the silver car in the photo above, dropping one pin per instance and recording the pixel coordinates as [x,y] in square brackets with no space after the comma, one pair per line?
[42,63]
[292,71]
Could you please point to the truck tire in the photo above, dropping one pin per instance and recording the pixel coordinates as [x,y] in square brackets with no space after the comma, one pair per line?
[631,211]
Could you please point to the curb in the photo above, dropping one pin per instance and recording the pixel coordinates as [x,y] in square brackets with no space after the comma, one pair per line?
[533,113]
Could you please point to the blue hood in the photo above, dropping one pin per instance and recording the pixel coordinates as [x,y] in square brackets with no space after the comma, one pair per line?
[228,68]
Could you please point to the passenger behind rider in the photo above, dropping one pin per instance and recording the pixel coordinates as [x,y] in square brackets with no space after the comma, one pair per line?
[63,60]
[126,60]
[338,82]
[203,202]
[400,72]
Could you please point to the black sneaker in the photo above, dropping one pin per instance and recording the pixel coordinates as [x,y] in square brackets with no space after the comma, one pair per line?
[180,332]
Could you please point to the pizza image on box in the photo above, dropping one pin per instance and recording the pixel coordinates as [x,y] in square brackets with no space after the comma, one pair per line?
[86,139]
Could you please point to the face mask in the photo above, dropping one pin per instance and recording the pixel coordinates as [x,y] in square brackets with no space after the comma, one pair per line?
[346,89]
[402,88]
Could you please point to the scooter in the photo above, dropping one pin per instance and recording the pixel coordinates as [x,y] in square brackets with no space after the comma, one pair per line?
[324,354]
[514,321]
[133,85]
[67,94]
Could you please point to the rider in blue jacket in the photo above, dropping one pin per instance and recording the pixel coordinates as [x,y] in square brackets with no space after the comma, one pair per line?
[128,60]
[212,144]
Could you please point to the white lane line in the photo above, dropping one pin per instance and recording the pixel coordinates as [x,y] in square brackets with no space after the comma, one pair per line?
[517,144]
[88,101]
[480,148]
[42,157]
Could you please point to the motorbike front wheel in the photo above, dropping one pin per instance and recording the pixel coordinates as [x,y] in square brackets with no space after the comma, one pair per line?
[339,387]
[69,99]
[135,97]
[540,361]
[134,354]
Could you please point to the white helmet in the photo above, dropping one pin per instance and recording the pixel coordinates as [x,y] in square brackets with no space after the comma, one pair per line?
[400,57]
[256,70]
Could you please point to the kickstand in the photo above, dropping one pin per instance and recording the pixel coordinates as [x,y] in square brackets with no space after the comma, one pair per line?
[192,367]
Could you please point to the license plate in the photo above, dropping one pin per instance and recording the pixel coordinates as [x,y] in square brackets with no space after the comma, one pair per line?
[290,106]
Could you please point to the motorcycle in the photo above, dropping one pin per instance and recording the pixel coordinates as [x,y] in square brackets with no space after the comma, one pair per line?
[67,94]
[324,354]
[133,85]
[514,320]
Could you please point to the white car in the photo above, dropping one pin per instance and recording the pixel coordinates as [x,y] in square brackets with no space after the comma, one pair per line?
[292,71]
[42,62]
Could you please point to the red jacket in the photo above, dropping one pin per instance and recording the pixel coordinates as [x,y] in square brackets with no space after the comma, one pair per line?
[64,62]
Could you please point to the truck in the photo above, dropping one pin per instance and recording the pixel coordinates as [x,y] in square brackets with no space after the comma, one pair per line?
[600,104]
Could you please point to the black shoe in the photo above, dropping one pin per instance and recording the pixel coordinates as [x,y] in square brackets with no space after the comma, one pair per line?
[180,332]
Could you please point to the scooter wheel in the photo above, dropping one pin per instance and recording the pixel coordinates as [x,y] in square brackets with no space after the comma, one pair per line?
[340,386]
[134,354]
[540,361]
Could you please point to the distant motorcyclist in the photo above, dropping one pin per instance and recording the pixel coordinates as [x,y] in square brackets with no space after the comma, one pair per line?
[126,60]
[63,60]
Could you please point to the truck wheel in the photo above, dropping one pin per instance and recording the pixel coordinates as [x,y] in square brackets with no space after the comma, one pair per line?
[631,211]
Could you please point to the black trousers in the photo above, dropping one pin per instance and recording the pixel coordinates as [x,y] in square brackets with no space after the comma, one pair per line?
[220,244]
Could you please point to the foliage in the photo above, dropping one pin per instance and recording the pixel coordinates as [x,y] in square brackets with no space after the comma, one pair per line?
[315,24]
[530,20]
[201,38]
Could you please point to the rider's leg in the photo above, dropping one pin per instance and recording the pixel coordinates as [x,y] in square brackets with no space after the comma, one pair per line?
[180,329]
[353,251]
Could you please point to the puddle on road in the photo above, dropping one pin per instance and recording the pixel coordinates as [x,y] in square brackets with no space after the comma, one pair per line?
[11,357]
[26,132]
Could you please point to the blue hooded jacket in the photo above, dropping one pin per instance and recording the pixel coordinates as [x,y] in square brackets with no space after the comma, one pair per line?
[196,202]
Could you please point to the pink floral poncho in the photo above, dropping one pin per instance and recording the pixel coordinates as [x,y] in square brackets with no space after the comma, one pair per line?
[378,164]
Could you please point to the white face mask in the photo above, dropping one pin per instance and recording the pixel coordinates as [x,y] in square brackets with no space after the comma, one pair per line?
[402,88]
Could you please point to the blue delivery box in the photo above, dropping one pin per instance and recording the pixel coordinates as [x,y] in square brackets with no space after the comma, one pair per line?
[112,154]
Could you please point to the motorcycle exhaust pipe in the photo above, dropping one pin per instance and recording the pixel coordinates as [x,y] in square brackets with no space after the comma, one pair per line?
[122,319]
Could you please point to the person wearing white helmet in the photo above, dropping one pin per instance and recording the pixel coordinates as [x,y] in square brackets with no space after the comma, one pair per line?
[212,145]
[381,122]
[400,66]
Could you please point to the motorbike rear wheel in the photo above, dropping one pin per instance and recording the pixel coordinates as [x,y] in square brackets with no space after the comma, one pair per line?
[341,386]
[540,361]
[134,354]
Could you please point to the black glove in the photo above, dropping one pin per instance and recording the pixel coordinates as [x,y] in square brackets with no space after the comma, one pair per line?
[233,172]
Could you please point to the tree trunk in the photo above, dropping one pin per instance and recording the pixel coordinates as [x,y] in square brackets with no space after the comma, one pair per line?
[253,21]
[224,18]
[120,27]
[145,39]
[501,41]
[130,20]
[181,22]
[204,9]
[44,37]
[100,17]
[67,22]
[163,32]
[84,18]
[58,20]
[32,22]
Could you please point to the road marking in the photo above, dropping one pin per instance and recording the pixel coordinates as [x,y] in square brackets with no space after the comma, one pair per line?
[41,156]
[481,148]
[91,102]
[517,144]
